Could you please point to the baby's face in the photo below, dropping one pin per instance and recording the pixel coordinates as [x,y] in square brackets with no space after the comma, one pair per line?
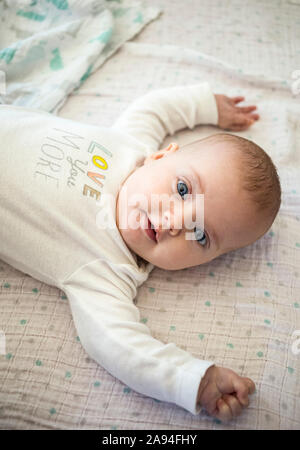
[167,193]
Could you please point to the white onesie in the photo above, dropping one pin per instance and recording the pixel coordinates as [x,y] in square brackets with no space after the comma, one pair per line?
[59,181]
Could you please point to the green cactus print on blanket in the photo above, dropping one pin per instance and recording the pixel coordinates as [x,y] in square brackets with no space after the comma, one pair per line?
[53,45]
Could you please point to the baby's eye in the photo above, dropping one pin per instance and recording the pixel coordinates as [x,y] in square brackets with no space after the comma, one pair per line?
[182,188]
[200,236]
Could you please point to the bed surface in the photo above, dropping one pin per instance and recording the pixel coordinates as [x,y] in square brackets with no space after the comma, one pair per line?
[241,310]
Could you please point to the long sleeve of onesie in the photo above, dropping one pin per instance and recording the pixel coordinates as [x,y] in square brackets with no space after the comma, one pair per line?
[153,116]
[109,327]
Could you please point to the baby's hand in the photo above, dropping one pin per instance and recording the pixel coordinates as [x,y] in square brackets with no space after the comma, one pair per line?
[223,393]
[232,117]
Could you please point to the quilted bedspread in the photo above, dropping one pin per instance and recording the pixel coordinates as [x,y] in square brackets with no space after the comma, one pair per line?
[241,310]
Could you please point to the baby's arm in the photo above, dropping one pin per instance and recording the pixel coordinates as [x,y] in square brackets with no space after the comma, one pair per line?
[109,327]
[153,116]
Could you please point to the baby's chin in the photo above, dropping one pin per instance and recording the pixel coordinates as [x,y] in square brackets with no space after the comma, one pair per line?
[168,264]
[157,262]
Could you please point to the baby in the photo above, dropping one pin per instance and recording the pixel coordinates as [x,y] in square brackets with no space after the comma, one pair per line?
[92,210]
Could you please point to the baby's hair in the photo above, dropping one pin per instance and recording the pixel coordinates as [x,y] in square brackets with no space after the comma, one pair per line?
[258,173]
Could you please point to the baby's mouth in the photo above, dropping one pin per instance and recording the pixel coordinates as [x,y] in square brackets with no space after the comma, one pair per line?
[150,231]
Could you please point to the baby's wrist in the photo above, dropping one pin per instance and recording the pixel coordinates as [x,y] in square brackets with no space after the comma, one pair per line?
[206,379]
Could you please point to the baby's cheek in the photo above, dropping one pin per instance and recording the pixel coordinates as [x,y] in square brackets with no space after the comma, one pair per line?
[171,257]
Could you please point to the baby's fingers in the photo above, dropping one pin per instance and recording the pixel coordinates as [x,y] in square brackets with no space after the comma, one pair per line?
[244,387]
[224,412]
[243,121]
[233,403]
[251,385]
[237,99]
[246,109]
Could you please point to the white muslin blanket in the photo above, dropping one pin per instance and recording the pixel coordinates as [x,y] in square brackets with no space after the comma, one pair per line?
[49,47]
[242,309]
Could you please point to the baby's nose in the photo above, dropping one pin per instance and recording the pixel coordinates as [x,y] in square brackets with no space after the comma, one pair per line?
[173,219]
[179,217]
[170,222]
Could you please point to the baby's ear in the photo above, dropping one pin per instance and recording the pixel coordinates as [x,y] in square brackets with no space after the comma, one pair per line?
[173,147]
